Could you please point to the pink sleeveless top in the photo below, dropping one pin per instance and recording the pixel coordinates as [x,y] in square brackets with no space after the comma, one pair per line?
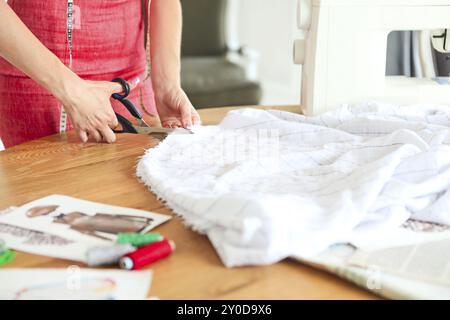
[107,42]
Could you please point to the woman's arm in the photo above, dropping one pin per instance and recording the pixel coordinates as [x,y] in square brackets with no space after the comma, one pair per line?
[87,102]
[173,105]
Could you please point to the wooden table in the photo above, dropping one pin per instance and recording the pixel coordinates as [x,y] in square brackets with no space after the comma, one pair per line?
[59,164]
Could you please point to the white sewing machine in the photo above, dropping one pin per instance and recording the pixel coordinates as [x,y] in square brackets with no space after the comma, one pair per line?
[343,52]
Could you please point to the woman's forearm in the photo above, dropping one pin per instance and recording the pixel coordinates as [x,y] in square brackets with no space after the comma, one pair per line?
[165,35]
[174,107]
[22,49]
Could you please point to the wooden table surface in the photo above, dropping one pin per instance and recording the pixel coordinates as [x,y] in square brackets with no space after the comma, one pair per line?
[59,164]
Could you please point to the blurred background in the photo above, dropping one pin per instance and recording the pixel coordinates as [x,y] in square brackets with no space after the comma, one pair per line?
[239,52]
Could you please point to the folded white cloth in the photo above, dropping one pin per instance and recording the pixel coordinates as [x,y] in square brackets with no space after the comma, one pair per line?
[265,185]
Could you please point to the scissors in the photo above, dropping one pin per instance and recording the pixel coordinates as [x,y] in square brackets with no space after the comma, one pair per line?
[142,127]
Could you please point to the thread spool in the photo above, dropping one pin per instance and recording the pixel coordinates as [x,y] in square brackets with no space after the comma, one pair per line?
[147,255]
[6,255]
[107,255]
[138,239]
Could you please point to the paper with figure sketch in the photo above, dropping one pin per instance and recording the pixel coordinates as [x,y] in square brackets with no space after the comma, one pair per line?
[383,283]
[429,261]
[410,262]
[73,283]
[417,250]
[65,227]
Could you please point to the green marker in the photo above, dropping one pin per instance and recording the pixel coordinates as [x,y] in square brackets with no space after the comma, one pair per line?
[138,239]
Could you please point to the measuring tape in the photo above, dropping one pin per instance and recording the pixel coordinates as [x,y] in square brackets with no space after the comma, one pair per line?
[63,114]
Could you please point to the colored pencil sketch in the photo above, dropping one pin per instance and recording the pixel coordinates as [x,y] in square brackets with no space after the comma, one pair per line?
[33,237]
[73,283]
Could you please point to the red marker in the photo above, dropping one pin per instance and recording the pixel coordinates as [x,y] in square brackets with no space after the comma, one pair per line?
[147,254]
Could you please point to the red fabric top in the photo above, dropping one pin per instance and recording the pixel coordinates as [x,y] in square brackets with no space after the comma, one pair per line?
[107,35]
[107,42]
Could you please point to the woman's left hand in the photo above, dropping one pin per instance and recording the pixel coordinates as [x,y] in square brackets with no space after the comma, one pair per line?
[174,108]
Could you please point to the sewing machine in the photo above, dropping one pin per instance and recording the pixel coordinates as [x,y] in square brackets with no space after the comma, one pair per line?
[343,51]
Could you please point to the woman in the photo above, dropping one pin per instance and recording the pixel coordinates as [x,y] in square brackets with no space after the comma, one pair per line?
[59,57]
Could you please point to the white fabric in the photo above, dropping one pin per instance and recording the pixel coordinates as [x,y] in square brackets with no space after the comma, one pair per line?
[358,168]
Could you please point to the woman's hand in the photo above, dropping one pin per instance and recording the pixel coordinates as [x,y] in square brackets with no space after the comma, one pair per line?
[174,108]
[89,108]
[87,103]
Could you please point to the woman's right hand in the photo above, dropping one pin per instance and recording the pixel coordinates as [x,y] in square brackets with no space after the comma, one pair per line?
[89,108]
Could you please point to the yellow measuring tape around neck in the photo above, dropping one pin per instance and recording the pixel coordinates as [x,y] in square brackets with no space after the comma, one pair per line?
[63,114]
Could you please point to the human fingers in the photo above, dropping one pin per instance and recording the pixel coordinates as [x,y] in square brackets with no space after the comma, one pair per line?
[185,112]
[171,123]
[107,134]
[94,135]
[196,120]
[82,135]
[114,87]
[112,120]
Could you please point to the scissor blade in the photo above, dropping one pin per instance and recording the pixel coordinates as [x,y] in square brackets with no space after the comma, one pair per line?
[141,123]
[149,130]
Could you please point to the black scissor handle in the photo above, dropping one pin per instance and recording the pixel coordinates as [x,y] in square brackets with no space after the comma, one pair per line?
[127,126]
[131,108]
[122,98]
[125,87]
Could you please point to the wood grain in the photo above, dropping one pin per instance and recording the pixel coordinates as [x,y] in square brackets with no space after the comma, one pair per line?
[59,164]
[214,115]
